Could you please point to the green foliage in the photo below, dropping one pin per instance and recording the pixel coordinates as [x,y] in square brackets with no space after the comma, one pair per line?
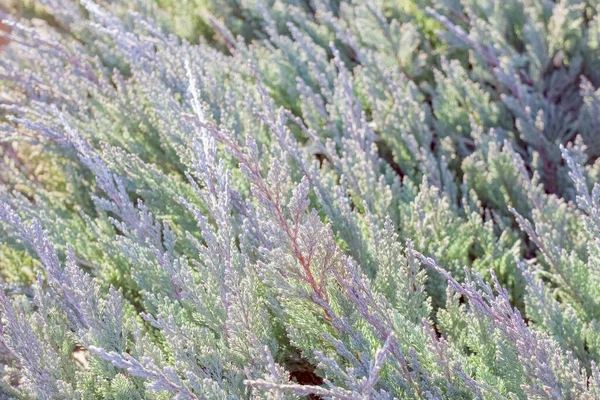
[274,199]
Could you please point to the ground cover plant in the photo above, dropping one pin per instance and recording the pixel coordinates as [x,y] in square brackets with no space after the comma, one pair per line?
[273,199]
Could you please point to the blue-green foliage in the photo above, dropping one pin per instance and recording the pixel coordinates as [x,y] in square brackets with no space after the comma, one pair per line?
[235,199]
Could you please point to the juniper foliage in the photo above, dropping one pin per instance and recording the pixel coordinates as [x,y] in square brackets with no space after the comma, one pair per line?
[287,198]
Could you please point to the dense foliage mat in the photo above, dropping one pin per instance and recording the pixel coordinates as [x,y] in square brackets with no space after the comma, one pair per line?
[235,199]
